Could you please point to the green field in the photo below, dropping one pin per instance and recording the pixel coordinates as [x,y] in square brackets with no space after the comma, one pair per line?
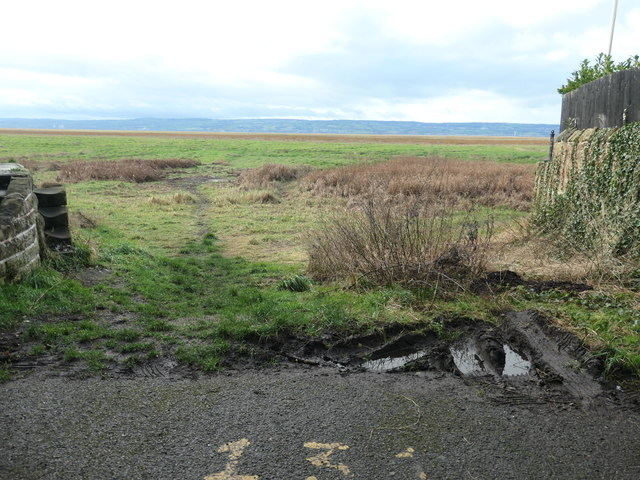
[198,267]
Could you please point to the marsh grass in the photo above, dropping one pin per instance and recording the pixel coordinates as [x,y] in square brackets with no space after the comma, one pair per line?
[435,180]
[265,175]
[229,284]
[130,170]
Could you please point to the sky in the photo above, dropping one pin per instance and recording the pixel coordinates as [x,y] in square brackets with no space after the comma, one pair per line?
[425,61]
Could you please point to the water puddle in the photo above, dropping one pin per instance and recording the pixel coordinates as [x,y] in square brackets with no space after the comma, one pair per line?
[390,363]
[476,357]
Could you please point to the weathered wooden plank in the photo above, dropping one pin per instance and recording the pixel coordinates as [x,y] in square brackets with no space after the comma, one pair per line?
[607,102]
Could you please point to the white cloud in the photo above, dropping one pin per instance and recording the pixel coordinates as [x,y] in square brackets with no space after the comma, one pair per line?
[378,59]
[459,106]
[442,23]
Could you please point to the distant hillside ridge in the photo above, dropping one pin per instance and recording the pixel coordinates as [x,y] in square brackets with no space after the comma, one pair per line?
[336,127]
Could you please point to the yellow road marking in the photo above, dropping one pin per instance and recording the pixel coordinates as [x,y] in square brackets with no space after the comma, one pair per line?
[408,453]
[322,459]
[235,450]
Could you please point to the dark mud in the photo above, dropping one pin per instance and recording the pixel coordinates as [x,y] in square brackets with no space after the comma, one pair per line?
[495,282]
[527,356]
[530,359]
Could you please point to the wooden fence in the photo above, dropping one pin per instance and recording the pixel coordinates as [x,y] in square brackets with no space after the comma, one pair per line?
[611,101]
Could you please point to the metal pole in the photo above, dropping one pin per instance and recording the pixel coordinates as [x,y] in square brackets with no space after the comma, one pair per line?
[550,157]
[613,24]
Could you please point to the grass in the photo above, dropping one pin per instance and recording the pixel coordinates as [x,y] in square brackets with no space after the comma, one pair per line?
[128,170]
[206,262]
[435,180]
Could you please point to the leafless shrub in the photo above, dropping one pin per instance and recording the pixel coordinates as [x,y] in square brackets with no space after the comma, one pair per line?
[132,170]
[407,243]
[263,176]
[433,179]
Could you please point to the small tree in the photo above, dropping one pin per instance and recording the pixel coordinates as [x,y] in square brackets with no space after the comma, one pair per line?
[603,65]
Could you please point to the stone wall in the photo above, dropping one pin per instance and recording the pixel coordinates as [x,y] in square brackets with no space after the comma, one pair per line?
[588,195]
[20,229]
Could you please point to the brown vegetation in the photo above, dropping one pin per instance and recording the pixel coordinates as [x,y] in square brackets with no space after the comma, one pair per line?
[435,180]
[271,172]
[130,170]
[407,243]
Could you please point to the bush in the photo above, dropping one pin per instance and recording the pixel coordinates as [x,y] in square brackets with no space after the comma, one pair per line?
[409,244]
[603,66]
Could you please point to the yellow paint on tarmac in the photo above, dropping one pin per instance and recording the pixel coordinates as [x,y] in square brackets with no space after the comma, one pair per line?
[408,453]
[235,450]
[322,459]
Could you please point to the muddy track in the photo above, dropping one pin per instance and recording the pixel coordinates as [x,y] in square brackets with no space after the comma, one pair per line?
[524,361]
[558,356]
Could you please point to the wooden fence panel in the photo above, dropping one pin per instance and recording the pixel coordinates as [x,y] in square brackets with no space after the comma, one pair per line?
[610,101]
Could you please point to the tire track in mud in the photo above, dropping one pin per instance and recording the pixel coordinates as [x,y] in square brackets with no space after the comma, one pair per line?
[559,359]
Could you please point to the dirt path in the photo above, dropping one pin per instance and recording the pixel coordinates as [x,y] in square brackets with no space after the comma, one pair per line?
[191,184]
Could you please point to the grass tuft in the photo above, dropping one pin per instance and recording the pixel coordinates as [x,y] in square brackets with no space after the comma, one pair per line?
[263,176]
[297,283]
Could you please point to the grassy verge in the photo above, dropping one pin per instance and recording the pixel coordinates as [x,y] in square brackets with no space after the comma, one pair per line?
[204,263]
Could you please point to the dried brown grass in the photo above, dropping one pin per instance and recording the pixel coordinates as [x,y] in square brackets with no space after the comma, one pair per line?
[265,175]
[435,180]
[246,197]
[130,170]
[177,198]
[37,166]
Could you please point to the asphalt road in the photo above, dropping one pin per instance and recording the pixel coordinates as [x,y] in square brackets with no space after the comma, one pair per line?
[306,424]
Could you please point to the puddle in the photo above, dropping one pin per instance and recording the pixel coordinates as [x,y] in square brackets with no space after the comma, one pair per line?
[514,364]
[389,363]
[217,180]
[472,357]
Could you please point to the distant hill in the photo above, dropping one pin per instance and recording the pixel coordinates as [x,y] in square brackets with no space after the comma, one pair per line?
[362,127]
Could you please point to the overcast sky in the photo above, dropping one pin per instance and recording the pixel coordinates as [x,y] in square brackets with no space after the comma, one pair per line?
[426,60]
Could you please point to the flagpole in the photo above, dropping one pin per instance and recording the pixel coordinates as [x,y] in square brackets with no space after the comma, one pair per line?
[613,24]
